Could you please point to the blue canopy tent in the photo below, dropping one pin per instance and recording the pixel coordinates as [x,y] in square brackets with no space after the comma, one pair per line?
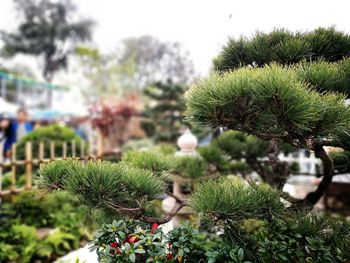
[19,85]
[45,115]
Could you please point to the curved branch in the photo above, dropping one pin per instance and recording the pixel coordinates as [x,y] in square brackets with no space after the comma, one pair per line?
[164,219]
[328,171]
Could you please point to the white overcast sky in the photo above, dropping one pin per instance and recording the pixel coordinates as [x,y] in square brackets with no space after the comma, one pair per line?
[202,26]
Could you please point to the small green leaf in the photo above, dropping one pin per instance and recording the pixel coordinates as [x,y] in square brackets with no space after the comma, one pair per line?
[240,254]
[132,257]
[127,247]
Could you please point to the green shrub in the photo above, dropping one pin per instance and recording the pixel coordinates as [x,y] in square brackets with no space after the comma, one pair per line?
[21,219]
[52,133]
[7,180]
[135,241]
[190,167]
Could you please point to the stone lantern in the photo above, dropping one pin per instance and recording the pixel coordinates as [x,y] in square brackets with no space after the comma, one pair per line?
[187,144]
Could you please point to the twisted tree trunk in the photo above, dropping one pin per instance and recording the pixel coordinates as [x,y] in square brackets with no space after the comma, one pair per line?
[328,171]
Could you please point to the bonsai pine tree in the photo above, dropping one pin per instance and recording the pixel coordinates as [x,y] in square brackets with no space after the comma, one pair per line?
[235,152]
[276,103]
[256,222]
[300,104]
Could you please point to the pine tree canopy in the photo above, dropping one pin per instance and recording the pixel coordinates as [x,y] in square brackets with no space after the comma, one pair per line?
[121,188]
[270,102]
[284,87]
[237,200]
[283,47]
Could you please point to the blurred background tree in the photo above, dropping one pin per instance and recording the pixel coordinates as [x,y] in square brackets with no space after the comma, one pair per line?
[104,75]
[46,30]
[163,117]
[155,60]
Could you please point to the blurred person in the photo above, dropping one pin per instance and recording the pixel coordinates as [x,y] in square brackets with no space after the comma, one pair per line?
[4,132]
[19,128]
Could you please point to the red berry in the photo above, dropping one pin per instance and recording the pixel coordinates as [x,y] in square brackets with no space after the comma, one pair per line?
[114,244]
[169,245]
[154,226]
[170,256]
[132,239]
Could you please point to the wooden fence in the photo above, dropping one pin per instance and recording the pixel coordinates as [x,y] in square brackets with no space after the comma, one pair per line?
[29,163]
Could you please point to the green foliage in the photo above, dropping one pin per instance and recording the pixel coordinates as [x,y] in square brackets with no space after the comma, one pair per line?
[144,183]
[323,76]
[40,34]
[101,185]
[7,180]
[141,144]
[297,238]
[134,241]
[164,116]
[165,148]
[164,119]
[291,50]
[52,133]
[341,161]
[239,145]
[58,209]
[212,154]
[190,167]
[283,47]
[235,152]
[22,219]
[270,101]
[153,161]
[57,243]
[329,43]
[56,173]
[234,199]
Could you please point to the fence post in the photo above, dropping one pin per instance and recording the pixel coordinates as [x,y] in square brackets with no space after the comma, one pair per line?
[52,150]
[13,166]
[29,165]
[64,150]
[100,145]
[41,152]
[82,150]
[73,148]
[1,164]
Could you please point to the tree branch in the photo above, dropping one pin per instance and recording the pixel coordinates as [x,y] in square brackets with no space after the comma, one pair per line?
[164,219]
[328,171]
[178,200]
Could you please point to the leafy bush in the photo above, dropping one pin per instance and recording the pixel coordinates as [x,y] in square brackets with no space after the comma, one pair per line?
[52,133]
[190,167]
[135,241]
[140,144]
[7,180]
[258,226]
[21,219]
